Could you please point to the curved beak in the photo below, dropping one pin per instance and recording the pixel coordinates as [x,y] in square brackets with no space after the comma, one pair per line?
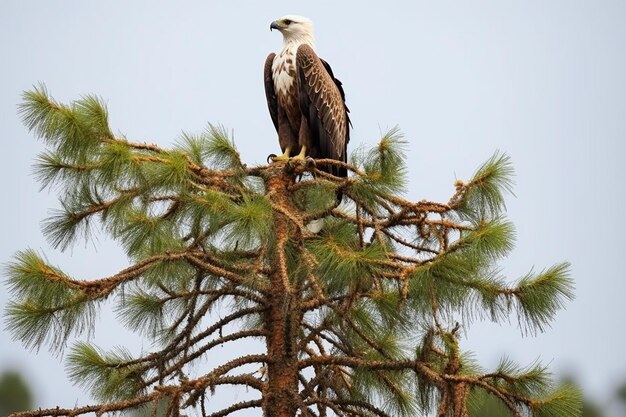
[274,25]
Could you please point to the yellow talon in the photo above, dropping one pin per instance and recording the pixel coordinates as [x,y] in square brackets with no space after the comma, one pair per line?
[283,157]
[302,155]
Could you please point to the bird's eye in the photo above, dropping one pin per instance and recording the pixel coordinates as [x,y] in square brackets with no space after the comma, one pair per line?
[287,22]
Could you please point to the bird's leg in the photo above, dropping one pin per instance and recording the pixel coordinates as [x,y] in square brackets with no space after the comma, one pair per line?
[301,156]
[284,156]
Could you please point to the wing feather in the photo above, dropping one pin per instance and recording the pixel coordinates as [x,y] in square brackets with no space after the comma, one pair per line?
[322,101]
[270,94]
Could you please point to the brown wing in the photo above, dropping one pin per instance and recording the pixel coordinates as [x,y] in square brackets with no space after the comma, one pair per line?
[270,94]
[322,102]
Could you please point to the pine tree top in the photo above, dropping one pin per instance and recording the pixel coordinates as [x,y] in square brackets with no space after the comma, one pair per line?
[361,318]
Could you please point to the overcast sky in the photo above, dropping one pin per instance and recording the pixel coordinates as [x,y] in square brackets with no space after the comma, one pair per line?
[543,81]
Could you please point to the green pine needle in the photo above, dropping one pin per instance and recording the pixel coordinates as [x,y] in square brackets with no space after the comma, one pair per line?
[142,312]
[64,226]
[540,296]
[176,274]
[51,170]
[484,404]
[106,375]
[250,222]
[75,130]
[116,166]
[448,277]
[220,149]
[169,173]
[149,235]
[315,197]
[46,309]
[95,113]
[484,194]
[342,265]
[533,380]
[385,169]
[35,325]
[194,146]
[30,277]
[38,113]
[490,289]
[492,240]
[565,401]
[387,306]
[394,388]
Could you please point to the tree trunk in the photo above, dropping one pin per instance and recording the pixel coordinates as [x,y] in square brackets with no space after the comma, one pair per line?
[282,369]
[282,316]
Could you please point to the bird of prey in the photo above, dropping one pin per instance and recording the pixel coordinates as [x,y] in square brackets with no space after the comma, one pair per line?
[305,100]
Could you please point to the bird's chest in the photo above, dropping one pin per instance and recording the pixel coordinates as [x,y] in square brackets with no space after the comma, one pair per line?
[284,74]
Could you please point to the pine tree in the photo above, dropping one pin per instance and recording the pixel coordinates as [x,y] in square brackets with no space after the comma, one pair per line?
[360,319]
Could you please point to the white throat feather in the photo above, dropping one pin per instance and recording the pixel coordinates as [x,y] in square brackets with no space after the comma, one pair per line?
[300,32]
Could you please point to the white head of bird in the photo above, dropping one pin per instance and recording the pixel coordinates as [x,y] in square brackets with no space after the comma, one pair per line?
[295,29]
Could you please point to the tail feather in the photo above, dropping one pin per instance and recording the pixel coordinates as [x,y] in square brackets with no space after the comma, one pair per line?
[314,226]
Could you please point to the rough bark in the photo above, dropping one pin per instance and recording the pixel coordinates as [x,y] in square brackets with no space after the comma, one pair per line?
[281,317]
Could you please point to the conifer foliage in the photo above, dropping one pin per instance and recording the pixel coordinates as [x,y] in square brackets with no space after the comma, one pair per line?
[362,318]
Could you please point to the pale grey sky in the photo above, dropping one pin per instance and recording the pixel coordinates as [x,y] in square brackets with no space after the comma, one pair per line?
[543,81]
